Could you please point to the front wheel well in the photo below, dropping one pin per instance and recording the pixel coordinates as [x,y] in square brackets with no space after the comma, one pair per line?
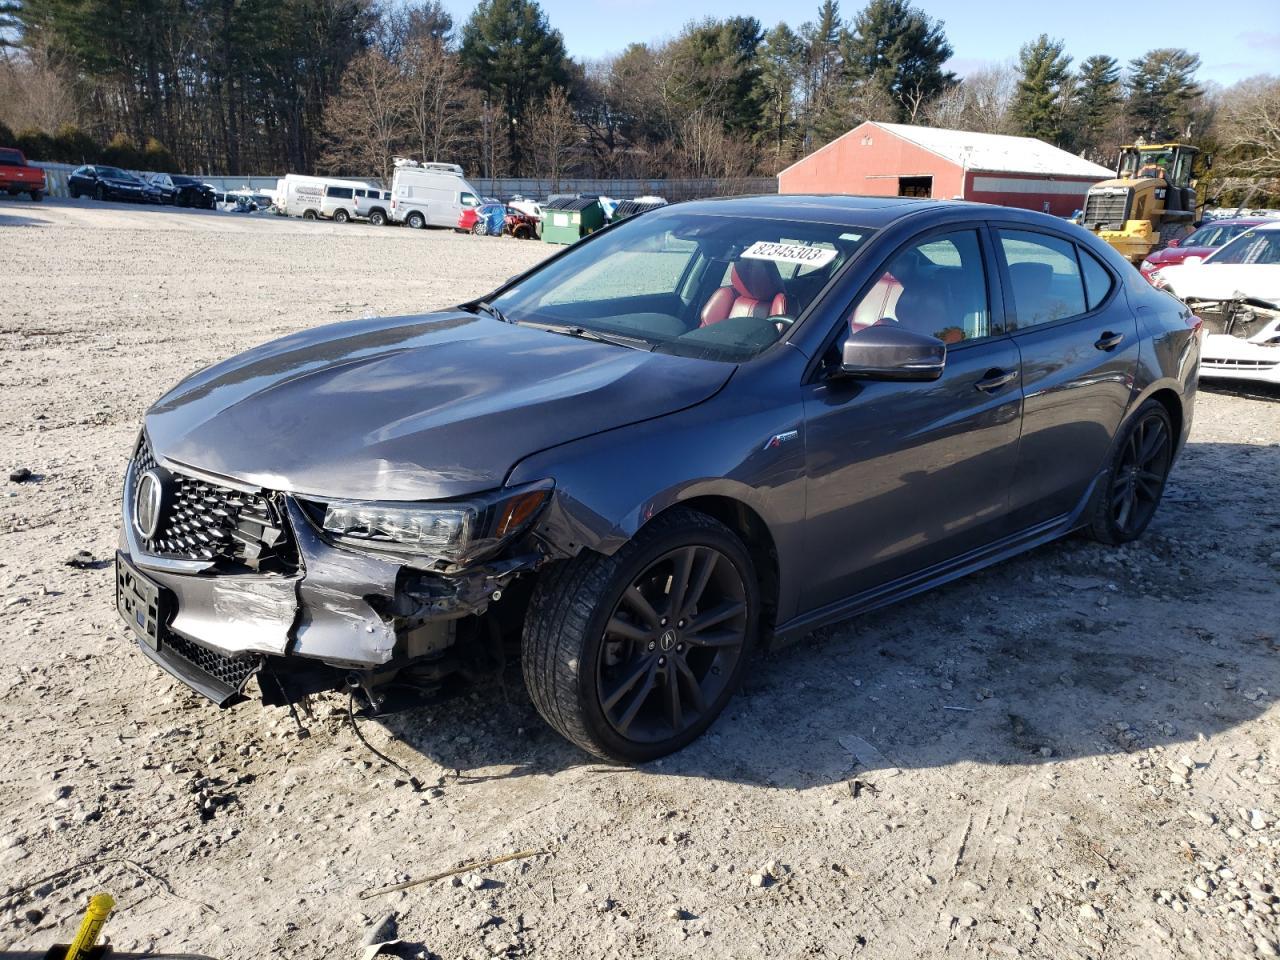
[754,533]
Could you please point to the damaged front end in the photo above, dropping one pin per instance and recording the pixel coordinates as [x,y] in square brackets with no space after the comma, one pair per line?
[1242,337]
[222,582]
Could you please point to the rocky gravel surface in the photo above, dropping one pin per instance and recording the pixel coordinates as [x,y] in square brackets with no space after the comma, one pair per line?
[1075,754]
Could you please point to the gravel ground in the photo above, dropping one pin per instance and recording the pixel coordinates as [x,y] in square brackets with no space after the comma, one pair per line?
[1071,755]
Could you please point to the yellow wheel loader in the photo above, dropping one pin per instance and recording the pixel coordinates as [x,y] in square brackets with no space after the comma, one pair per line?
[1151,201]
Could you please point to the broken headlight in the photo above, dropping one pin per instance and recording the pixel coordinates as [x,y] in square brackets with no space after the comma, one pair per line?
[457,531]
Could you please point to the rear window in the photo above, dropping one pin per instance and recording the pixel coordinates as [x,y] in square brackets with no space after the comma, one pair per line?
[12,158]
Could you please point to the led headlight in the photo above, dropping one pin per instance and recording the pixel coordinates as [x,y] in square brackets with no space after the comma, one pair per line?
[456,531]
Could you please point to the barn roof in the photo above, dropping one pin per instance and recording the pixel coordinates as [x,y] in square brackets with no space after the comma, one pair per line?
[991,152]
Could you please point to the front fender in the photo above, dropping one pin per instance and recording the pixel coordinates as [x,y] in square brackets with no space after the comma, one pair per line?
[608,486]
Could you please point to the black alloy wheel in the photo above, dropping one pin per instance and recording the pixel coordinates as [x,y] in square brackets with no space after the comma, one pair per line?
[632,656]
[100,192]
[671,644]
[1131,489]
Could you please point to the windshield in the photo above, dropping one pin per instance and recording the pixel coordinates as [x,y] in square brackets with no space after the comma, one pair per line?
[699,285]
[114,172]
[1252,246]
[1214,235]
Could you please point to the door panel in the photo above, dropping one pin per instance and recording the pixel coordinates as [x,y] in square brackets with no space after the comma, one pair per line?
[1077,372]
[906,475]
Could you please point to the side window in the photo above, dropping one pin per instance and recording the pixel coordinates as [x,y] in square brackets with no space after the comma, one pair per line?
[339,193]
[469,199]
[937,287]
[1044,275]
[1097,281]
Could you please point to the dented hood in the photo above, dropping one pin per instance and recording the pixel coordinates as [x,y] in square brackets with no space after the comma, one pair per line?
[412,408]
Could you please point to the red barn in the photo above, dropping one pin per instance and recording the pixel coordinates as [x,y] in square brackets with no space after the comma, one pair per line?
[896,160]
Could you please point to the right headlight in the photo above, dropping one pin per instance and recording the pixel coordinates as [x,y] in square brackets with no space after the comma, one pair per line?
[457,531]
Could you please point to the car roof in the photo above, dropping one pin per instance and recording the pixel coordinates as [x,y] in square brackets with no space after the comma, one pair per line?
[844,209]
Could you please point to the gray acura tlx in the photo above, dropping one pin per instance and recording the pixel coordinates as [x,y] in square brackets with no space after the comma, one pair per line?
[712,427]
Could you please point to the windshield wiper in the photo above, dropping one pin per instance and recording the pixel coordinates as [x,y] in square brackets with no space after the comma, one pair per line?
[484,306]
[585,333]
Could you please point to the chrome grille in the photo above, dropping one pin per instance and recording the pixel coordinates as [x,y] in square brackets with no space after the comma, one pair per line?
[205,521]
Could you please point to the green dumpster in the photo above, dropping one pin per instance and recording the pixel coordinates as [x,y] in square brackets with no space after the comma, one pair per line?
[568,219]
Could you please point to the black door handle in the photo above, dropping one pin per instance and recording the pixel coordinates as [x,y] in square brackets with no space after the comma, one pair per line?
[994,379]
[1108,341]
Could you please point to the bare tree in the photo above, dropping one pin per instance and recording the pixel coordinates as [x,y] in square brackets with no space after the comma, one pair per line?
[979,103]
[554,136]
[439,105]
[35,92]
[1248,127]
[367,120]
[706,151]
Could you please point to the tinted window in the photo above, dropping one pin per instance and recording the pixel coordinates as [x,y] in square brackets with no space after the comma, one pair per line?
[341,193]
[11,157]
[1044,275]
[713,286]
[1252,246]
[937,287]
[1097,281]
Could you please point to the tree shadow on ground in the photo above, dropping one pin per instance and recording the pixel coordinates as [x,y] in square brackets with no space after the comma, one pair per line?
[1071,651]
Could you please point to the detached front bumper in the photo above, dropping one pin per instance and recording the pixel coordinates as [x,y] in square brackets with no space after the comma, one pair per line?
[324,611]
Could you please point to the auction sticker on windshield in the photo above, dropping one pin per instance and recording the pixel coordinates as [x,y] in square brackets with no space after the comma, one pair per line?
[789,253]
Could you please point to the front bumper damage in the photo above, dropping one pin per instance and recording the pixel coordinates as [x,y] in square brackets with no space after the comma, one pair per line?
[334,617]
[1242,338]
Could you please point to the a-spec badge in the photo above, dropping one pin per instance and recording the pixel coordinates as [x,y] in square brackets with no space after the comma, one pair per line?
[778,439]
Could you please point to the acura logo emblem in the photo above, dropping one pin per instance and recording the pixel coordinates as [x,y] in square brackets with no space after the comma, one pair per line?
[148,503]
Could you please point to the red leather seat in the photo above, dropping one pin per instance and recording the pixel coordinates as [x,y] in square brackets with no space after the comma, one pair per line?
[755,290]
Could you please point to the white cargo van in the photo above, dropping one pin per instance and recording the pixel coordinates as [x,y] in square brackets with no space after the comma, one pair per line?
[314,197]
[430,194]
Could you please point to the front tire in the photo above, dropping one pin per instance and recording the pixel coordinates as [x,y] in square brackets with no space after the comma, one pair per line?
[100,193]
[37,196]
[310,215]
[633,656]
[1130,490]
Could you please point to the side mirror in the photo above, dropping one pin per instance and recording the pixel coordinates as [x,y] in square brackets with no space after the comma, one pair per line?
[890,352]
[1174,243]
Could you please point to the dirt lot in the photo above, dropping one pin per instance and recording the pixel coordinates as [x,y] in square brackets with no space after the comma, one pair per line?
[1075,754]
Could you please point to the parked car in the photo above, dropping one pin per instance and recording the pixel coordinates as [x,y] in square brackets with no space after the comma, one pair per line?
[373,205]
[531,208]
[430,194]
[111,183]
[183,191]
[714,427]
[497,219]
[17,176]
[1200,243]
[1236,290]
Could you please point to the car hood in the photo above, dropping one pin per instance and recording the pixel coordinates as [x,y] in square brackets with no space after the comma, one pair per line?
[412,408]
[1224,281]
[1171,255]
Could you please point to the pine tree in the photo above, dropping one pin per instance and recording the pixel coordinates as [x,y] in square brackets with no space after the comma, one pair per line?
[1163,94]
[782,59]
[1039,105]
[1097,103]
[897,49]
[514,55]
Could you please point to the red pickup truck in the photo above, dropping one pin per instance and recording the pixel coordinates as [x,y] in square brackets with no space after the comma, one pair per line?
[16,176]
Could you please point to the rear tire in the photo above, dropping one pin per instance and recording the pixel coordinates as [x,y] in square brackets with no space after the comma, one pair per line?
[415,221]
[1129,492]
[377,218]
[614,655]
[341,216]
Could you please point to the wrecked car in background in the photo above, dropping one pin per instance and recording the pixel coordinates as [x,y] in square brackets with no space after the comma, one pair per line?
[718,425]
[1236,291]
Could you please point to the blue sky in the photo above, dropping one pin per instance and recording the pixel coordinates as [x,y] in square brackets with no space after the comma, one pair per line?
[1235,38]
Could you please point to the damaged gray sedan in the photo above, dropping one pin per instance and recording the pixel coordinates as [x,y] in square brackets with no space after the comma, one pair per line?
[714,426]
